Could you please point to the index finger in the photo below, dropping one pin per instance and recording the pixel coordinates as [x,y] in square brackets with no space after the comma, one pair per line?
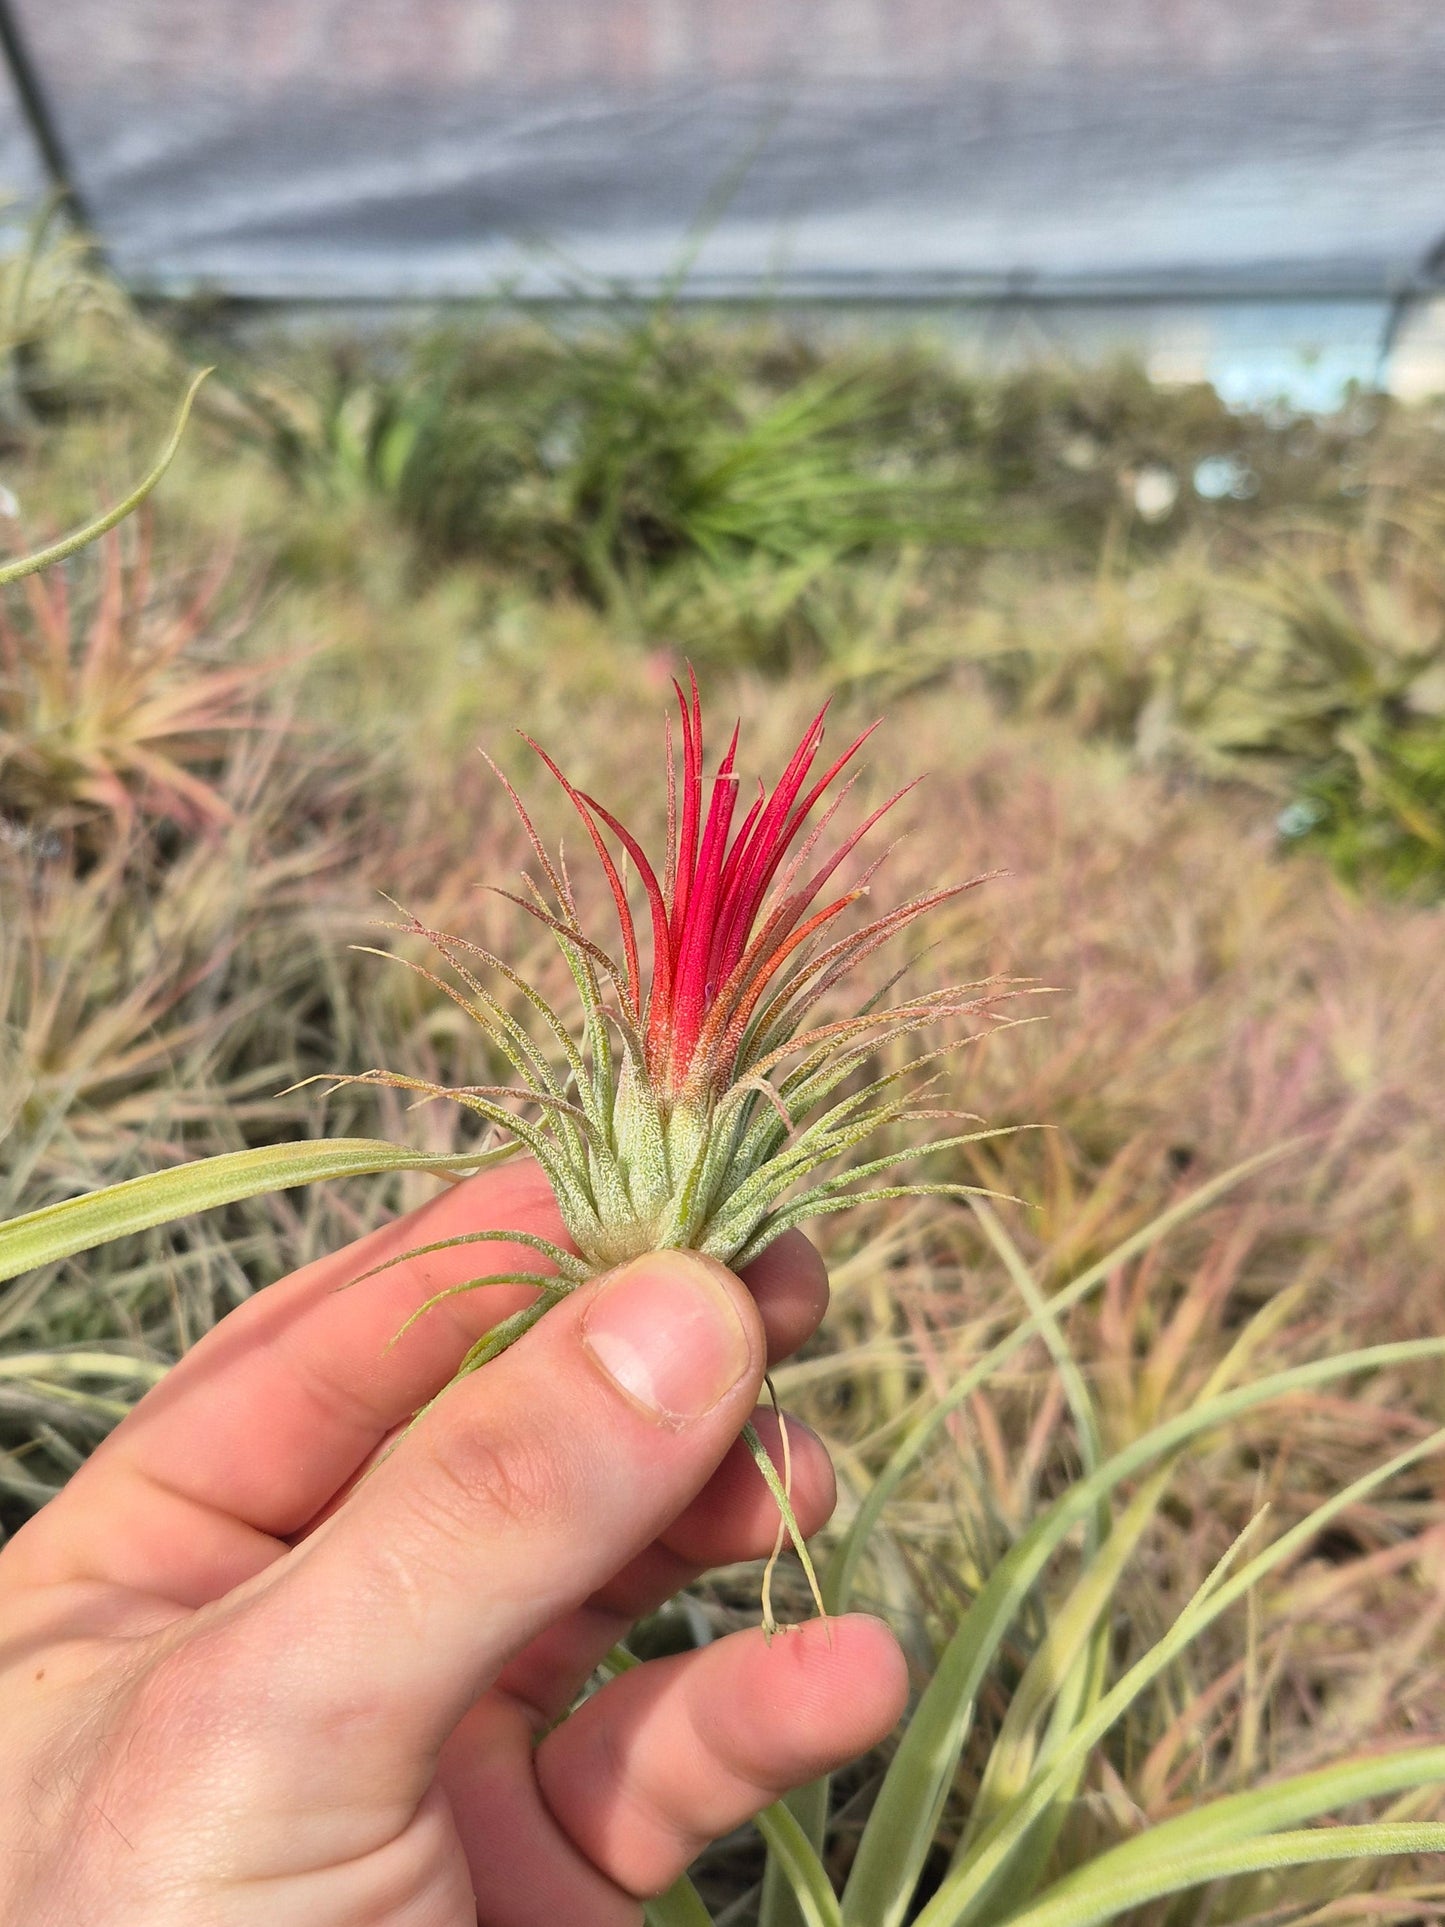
[271,1414]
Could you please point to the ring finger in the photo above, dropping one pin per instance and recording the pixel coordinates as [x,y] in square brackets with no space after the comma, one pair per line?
[733,1518]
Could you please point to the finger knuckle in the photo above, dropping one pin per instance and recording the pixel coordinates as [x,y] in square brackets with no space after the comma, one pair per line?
[482,1479]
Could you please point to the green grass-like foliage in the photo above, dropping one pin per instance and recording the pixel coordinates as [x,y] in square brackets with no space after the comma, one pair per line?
[1008,1862]
[56,1231]
[1377,809]
[612,461]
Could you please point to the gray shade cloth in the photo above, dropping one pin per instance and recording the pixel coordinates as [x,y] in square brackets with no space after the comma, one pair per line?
[851,148]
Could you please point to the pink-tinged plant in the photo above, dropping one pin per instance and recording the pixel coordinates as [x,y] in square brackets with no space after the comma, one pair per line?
[105,716]
[700,1096]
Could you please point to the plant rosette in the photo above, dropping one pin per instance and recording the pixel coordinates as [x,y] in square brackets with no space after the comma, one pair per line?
[692,1102]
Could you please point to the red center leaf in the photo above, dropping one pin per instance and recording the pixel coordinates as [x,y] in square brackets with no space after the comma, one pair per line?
[717,941]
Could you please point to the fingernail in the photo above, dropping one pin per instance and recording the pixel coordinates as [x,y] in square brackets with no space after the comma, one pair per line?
[666,1332]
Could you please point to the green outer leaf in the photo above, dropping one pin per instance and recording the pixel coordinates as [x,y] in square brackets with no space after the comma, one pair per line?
[841,1570]
[958,1896]
[843,1566]
[900,1830]
[568,1263]
[1102,1890]
[78,538]
[1037,1304]
[112,1408]
[680,1906]
[1070,1666]
[1020,1879]
[1066,1655]
[809,1807]
[947,1702]
[79,1224]
[79,1364]
[544,1282]
[1263,1810]
[790,1849]
[910,1803]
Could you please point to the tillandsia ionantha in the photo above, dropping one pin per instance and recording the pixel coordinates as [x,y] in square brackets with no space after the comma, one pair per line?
[695,1097]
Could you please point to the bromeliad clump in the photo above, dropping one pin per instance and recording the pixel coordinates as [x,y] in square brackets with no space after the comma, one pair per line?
[698,1096]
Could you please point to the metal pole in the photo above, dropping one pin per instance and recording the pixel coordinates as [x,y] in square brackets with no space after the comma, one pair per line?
[35,105]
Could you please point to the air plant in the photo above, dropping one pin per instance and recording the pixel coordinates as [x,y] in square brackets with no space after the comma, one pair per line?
[105,718]
[700,1095]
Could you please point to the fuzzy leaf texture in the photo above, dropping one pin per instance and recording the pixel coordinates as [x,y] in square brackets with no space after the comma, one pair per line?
[714,1065]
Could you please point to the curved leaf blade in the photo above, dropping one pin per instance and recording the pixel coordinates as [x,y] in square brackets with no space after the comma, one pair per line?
[161,1197]
[92,531]
[1102,1891]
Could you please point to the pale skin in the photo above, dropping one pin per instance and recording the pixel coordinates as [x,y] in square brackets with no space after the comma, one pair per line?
[237,1686]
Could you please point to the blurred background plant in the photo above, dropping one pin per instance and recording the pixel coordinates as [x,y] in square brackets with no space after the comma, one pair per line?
[1174,668]
[120,709]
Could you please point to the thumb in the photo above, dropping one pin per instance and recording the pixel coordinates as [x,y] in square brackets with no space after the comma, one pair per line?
[527,1487]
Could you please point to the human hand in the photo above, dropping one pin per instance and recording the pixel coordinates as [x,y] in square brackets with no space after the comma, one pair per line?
[237,1686]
